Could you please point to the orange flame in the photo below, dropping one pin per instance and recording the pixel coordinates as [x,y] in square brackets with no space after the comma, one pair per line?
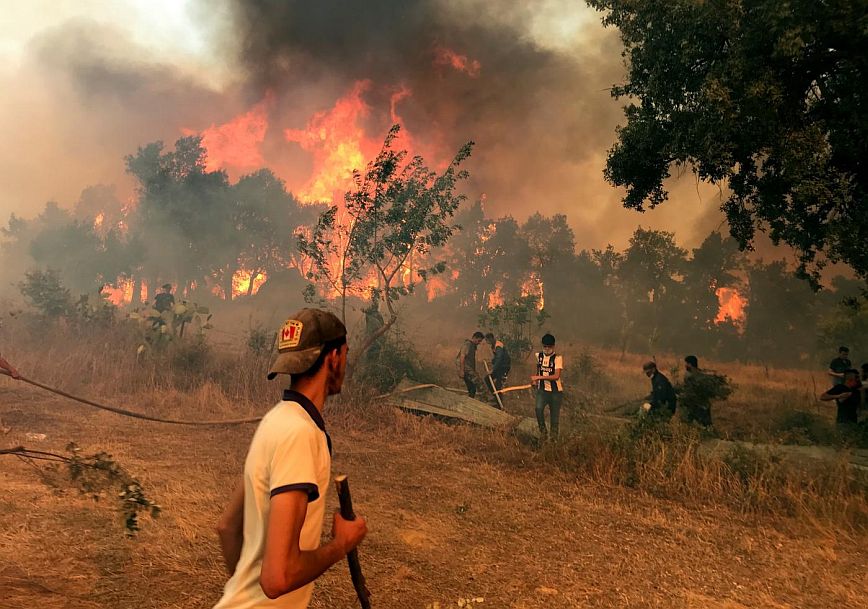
[120,292]
[732,306]
[241,282]
[533,286]
[460,63]
[236,144]
[338,144]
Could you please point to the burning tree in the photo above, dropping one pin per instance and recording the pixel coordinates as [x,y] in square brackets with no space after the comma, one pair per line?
[397,208]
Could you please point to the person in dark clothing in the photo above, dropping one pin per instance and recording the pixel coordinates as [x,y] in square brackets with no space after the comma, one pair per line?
[849,398]
[465,361]
[549,387]
[661,401]
[500,363]
[839,365]
[695,404]
[164,301]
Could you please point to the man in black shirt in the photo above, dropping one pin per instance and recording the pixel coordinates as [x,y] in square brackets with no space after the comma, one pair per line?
[839,365]
[661,400]
[849,397]
[164,301]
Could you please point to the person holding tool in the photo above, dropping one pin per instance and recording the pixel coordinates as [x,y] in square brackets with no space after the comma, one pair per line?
[270,532]
[549,388]
[500,362]
[465,363]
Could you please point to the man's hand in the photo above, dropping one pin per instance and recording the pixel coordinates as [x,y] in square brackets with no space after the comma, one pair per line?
[348,533]
[843,396]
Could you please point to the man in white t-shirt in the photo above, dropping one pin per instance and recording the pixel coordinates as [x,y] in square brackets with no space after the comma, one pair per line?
[549,387]
[270,532]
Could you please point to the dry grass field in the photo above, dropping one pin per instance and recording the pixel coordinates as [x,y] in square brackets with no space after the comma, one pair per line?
[455,512]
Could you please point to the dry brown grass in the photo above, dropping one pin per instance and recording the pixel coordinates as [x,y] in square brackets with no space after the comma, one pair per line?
[454,511]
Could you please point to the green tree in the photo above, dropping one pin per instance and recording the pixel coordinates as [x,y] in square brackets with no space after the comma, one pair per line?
[268,217]
[552,246]
[649,276]
[185,216]
[765,97]
[710,268]
[781,314]
[397,208]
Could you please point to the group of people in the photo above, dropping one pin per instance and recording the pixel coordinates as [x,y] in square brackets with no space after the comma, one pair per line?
[663,399]
[547,380]
[847,388]
[270,532]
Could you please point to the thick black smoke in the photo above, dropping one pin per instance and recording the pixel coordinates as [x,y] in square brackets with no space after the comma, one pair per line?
[542,118]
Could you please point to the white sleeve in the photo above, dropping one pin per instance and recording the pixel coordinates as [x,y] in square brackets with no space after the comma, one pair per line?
[293,465]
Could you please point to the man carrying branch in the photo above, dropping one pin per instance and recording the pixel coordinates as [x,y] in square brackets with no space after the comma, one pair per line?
[270,532]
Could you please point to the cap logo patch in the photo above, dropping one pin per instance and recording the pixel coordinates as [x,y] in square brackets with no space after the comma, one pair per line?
[290,335]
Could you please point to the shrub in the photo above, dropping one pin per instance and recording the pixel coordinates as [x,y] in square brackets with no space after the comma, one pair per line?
[260,340]
[44,290]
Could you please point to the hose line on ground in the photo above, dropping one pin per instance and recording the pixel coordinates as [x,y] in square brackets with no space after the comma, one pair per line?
[130,413]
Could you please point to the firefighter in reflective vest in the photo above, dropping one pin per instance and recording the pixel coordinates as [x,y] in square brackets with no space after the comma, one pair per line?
[549,387]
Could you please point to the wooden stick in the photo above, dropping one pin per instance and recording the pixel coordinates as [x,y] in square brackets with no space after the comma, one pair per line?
[493,388]
[516,388]
[347,513]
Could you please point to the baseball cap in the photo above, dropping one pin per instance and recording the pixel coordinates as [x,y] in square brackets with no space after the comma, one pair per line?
[301,339]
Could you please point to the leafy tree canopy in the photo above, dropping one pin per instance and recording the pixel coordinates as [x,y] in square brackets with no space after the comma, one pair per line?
[765,97]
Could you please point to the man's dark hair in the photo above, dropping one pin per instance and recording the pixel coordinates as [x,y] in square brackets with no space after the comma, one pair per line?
[548,340]
[649,366]
[844,349]
[167,286]
[332,345]
[691,359]
[851,373]
[489,337]
[478,334]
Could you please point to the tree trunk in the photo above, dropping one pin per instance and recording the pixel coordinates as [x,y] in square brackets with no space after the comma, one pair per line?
[253,277]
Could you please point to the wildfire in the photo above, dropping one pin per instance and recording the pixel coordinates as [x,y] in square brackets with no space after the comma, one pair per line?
[495,298]
[732,306]
[460,63]
[236,144]
[338,144]
[533,286]
[245,282]
[120,292]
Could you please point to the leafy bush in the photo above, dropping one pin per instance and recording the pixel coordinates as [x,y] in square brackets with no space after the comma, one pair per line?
[800,427]
[260,340]
[389,361]
[44,290]
[514,323]
[190,357]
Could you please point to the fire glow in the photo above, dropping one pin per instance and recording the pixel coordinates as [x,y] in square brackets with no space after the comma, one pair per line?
[732,306]
[456,61]
[237,143]
[337,143]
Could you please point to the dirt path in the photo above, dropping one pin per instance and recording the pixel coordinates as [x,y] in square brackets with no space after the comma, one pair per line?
[455,513]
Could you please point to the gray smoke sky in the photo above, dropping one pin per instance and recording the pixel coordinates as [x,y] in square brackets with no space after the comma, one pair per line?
[88,82]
